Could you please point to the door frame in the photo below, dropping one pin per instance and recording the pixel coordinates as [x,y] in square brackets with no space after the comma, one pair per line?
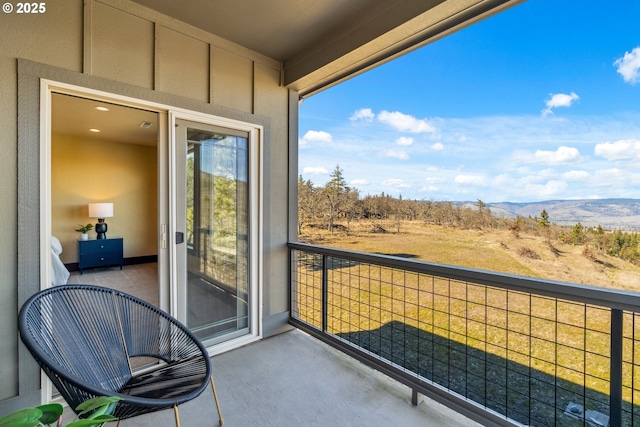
[167,197]
[255,145]
[47,88]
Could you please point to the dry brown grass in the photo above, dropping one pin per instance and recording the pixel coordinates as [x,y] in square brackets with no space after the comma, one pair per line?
[495,250]
[557,339]
[554,337]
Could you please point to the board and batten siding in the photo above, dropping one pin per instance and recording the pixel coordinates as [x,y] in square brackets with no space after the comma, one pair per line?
[141,53]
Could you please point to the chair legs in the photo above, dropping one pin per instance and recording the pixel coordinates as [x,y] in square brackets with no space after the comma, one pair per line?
[175,412]
[215,396]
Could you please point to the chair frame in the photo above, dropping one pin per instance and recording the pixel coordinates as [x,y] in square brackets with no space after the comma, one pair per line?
[86,339]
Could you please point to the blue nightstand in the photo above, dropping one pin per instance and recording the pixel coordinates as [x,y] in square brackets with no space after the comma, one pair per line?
[100,253]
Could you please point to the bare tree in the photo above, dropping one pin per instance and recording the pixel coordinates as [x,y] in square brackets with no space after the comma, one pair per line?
[307,202]
[352,205]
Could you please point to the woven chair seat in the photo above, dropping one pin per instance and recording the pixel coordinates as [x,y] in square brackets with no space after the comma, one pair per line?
[94,341]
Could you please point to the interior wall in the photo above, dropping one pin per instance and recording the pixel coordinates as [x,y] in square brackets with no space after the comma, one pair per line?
[83,172]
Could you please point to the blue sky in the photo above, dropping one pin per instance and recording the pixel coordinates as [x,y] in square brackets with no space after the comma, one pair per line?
[540,102]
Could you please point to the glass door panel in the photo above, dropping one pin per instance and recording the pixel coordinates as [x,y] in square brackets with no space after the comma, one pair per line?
[216,231]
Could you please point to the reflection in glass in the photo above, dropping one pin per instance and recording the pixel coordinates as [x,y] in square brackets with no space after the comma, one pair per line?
[217,234]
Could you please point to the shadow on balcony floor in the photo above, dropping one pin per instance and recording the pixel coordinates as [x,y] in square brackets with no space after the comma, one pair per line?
[295,380]
[525,394]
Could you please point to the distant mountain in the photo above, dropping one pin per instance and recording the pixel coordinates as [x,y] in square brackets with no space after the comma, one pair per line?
[611,214]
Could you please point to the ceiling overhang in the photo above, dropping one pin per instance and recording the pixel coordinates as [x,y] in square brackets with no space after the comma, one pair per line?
[322,42]
[395,31]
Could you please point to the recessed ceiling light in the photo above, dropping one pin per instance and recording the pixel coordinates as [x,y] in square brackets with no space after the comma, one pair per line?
[94,130]
[102,108]
[145,125]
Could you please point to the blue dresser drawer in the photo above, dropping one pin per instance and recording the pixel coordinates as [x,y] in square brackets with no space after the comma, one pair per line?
[100,253]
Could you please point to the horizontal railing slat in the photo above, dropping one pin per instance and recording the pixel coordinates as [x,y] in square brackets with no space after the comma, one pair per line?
[606,297]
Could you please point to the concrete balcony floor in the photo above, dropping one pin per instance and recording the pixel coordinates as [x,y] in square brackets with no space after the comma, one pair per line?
[293,379]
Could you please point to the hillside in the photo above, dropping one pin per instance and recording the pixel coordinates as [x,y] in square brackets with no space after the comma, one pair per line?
[611,214]
[496,250]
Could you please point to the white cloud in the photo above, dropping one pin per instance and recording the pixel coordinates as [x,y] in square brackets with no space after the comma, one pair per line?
[405,122]
[559,100]
[401,154]
[475,180]
[502,179]
[619,150]
[359,182]
[610,176]
[530,177]
[404,140]
[316,136]
[574,175]
[629,66]
[551,188]
[434,179]
[496,145]
[317,170]
[438,146]
[624,180]
[395,182]
[302,143]
[561,155]
[362,115]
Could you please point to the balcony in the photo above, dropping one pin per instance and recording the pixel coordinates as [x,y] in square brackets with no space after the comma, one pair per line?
[500,349]
[293,379]
[382,331]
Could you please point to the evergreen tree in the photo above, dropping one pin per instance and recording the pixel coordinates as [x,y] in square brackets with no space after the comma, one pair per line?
[543,221]
[578,235]
[335,190]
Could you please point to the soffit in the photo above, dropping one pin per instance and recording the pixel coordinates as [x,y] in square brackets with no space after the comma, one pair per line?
[322,42]
[278,29]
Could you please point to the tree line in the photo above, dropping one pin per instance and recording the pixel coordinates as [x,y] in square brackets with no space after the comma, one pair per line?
[336,203]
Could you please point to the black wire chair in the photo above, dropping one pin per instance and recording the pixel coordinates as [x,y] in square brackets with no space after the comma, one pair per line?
[93,341]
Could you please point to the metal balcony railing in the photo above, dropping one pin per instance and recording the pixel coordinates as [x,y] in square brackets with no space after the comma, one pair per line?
[501,349]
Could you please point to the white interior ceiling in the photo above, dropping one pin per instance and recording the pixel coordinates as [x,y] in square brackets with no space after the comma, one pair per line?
[74,116]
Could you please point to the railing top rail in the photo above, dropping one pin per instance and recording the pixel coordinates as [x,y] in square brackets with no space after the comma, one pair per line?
[613,298]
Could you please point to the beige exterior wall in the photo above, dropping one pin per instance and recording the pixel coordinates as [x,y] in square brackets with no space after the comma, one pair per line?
[58,42]
[133,47]
[125,174]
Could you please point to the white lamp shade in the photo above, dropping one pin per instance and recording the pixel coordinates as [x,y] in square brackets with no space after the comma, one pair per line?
[100,210]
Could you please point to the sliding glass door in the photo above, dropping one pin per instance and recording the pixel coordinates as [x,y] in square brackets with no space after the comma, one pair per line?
[213,244]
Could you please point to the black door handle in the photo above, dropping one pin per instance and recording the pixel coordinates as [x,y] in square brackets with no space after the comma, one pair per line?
[179,237]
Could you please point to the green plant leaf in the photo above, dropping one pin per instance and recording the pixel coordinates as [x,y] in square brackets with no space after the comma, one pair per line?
[27,417]
[84,228]
[97,422]
[50,413]
[100,404]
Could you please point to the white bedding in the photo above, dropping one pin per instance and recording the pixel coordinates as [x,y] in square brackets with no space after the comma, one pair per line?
[59,273]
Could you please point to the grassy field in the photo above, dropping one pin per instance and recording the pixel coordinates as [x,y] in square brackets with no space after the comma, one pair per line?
[495,250]
[557,339]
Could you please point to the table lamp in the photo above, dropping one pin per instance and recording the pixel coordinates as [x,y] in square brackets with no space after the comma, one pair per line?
[101,211]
